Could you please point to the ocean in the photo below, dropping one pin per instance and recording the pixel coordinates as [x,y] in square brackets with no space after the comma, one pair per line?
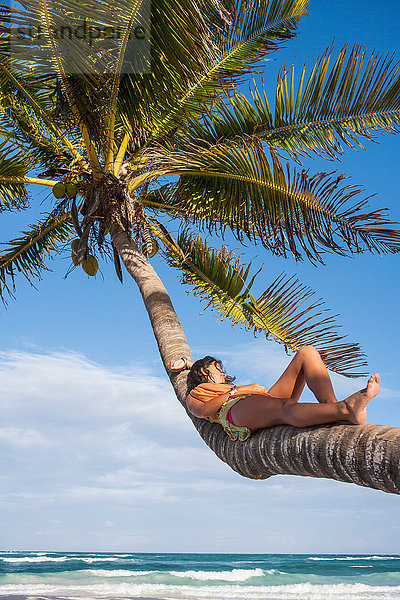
[200,576]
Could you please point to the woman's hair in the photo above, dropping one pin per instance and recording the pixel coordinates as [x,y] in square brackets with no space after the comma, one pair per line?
[196,376]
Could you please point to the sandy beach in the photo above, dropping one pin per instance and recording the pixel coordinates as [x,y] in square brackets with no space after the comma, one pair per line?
[74,597]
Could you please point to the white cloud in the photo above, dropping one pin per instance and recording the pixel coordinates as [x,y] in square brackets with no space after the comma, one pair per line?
[108,523]
[113,431]
[84,444]
[22,437]
[70,387]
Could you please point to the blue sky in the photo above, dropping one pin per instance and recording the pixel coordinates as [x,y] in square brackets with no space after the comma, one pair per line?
[97,454]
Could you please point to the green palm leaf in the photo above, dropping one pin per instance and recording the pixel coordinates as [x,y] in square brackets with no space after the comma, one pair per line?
[283,311]
[180,37]
[355,98]
[25,80]
[89,74]
[13,165]
[257,29]
[26,254]
[164,201]
[82,65]
[16,80]
[235,185]
[19,123]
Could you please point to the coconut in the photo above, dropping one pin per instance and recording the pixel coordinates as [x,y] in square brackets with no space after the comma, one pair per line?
[74,249]
[154,249]
[90,265]
[71,190]
[59,190]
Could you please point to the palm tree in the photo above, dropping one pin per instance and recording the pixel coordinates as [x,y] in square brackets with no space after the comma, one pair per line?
[125,142]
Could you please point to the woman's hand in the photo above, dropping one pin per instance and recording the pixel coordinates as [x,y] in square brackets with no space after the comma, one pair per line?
[180,364]
[177,365]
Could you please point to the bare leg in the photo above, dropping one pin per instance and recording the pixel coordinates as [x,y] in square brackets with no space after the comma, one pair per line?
[307,367]
[257,412]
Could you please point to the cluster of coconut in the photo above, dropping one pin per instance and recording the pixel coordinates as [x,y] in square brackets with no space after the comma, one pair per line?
[90,264]
[64,190]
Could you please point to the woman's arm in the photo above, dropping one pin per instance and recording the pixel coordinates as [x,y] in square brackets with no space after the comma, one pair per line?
[210,407]
[206,409]
[251,388]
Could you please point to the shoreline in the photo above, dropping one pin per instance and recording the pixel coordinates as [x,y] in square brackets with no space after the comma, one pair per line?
[72,597]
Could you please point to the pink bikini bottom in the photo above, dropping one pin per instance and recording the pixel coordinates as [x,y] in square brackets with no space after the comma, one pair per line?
[229,417]
[224,418]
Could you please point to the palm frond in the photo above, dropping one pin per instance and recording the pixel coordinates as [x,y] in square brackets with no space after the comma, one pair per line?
[163,199]
[89,68]
[13,166]
[134,12]
[354,99]
[17,78]
[285,311]
[183,33]
[257,28]
[27,132]
[235,185]
[27,253]
[26,60]
[177,35]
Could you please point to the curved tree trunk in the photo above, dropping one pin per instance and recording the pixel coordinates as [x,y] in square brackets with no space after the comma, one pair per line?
[367,455]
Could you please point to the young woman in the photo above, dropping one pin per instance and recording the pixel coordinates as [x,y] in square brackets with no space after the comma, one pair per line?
[245,408]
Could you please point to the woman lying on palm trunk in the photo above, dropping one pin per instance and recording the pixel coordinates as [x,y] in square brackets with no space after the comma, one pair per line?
[243,409]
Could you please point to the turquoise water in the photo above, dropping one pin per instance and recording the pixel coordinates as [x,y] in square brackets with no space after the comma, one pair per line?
[201,576]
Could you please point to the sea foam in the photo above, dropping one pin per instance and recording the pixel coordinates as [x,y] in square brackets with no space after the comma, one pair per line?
[234,575]
[40,559]
[115,573]
[355,558]
[303,591]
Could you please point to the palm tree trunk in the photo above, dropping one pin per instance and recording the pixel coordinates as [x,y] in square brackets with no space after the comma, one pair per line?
[366,455]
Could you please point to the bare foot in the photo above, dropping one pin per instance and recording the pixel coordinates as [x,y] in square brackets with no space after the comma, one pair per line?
[356,404]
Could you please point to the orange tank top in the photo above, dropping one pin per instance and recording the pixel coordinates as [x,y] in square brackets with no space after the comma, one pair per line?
[205,391]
